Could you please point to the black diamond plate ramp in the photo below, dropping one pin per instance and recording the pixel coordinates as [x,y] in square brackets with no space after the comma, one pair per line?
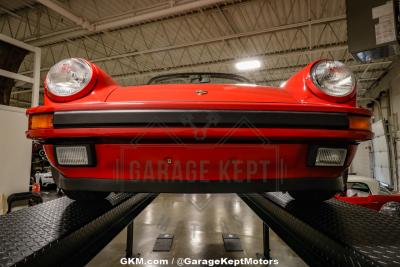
[332,233]
[65,232]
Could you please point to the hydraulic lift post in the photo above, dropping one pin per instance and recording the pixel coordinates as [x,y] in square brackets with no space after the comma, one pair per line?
[266,248]
[129,240]
[266,254]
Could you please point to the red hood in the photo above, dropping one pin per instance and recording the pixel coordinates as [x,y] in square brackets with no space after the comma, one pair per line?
[184,96]
[211,93]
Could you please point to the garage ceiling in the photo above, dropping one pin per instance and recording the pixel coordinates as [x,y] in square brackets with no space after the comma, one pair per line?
[136,40]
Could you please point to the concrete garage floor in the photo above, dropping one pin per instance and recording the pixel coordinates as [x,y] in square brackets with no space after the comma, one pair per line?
[197,221]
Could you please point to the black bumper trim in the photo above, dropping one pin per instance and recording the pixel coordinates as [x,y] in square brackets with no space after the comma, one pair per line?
[267,185]
[200,118]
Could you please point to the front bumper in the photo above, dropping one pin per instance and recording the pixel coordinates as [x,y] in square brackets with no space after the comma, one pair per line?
[214,126]
[131,145]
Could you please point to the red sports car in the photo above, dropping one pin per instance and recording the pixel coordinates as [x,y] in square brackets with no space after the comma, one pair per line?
[199,132]
[367,192]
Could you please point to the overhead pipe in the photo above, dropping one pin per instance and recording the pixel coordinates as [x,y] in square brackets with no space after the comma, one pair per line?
[118,22]
[173,10]
[83,22]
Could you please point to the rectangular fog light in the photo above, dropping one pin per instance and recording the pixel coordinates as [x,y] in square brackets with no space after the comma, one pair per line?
[79,155]
[330,156]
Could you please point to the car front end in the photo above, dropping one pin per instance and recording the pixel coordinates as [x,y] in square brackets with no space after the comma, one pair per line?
[200,136]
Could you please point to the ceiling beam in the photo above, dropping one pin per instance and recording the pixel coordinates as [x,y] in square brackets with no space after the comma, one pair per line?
[66,13]
[111,23]
[213,40]
[225,37]
[386,81]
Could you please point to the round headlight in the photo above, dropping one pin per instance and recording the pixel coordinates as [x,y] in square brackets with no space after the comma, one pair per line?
[391,208]
[333,78]
[68,77]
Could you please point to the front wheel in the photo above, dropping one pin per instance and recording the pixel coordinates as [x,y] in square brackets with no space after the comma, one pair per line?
[312,196]
[86,196]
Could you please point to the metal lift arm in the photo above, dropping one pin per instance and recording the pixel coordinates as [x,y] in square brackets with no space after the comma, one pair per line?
[63,232]
[333,233]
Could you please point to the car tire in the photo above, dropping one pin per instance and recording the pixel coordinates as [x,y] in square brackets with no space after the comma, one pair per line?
[86,196]
[312,196]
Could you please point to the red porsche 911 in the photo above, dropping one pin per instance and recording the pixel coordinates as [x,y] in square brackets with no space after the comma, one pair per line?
[199,132]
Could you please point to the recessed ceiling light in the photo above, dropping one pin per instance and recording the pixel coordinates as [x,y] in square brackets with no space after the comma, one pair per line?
[248,64]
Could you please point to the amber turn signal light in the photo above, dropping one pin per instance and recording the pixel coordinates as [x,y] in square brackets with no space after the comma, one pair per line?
[360,123]
[41,121]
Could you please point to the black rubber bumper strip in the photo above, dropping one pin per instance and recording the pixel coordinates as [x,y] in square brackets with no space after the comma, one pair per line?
[200,118]
[170,186]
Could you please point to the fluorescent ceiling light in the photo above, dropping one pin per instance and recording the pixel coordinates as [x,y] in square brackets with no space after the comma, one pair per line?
[248,64]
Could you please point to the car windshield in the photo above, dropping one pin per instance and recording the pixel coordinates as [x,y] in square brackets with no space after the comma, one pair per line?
[383,190]
[357,189]
[199,78]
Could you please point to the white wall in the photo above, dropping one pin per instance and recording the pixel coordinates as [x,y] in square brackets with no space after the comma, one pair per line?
[15,152]
[361,164]
[387,92]
[394,95]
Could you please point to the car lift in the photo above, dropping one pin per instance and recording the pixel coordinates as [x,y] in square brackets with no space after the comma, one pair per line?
[63,232]
[332,233]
